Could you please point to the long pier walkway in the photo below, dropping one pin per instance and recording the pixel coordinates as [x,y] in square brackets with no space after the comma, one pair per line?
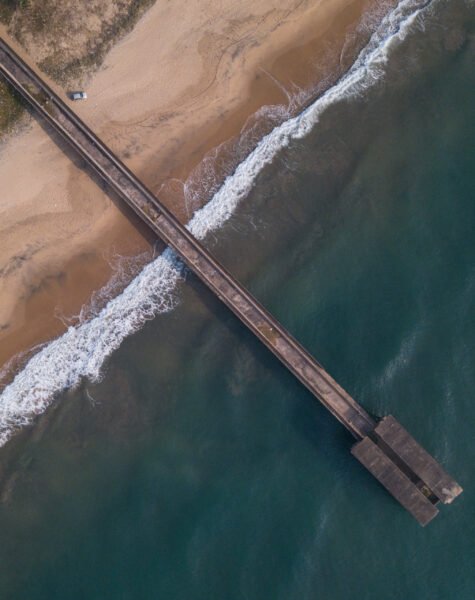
[406,481]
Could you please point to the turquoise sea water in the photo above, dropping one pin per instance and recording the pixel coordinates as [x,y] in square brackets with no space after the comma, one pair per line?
[199,468]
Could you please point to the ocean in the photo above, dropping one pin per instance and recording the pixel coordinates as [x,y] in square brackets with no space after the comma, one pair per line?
[172,456]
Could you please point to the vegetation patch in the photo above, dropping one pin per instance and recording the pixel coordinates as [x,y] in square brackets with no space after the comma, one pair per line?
[11,108]
[8,7]
[65,70]
[68,39]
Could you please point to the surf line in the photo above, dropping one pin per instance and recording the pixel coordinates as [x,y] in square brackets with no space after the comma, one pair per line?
[82,350]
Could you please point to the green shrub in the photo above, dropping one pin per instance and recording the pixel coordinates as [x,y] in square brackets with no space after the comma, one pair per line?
[11,108]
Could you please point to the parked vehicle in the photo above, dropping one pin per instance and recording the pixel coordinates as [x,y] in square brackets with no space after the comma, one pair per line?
[78,96]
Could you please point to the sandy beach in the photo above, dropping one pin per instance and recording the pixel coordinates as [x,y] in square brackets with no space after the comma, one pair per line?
[182,83]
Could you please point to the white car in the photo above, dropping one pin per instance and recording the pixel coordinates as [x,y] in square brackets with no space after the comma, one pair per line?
[78,96]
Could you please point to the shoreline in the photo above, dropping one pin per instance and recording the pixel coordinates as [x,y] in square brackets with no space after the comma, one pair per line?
[69,285]
[78,356]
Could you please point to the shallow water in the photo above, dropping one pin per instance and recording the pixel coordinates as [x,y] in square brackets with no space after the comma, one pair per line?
[198,467]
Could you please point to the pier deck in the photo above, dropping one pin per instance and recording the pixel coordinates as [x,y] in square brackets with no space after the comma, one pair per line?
[405,469]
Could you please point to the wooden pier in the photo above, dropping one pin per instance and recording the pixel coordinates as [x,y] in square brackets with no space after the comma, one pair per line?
[407,471]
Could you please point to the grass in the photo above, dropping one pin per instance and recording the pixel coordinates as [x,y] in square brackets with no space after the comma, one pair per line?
[44,20]
[8,7]
[64,71]
[11,109]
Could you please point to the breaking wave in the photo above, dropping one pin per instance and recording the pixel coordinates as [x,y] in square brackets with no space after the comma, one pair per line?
[82,350]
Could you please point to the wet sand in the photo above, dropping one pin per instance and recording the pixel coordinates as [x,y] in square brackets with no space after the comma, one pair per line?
[204,77]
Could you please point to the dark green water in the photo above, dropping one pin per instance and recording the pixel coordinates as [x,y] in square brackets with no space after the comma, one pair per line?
[199,468]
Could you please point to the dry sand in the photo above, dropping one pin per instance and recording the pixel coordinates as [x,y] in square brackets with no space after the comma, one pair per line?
[183,81]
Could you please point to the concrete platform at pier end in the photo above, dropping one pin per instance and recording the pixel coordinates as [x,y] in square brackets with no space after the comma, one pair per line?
[405,469]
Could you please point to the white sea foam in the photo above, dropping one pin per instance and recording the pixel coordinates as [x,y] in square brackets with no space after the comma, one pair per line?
[81,351]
